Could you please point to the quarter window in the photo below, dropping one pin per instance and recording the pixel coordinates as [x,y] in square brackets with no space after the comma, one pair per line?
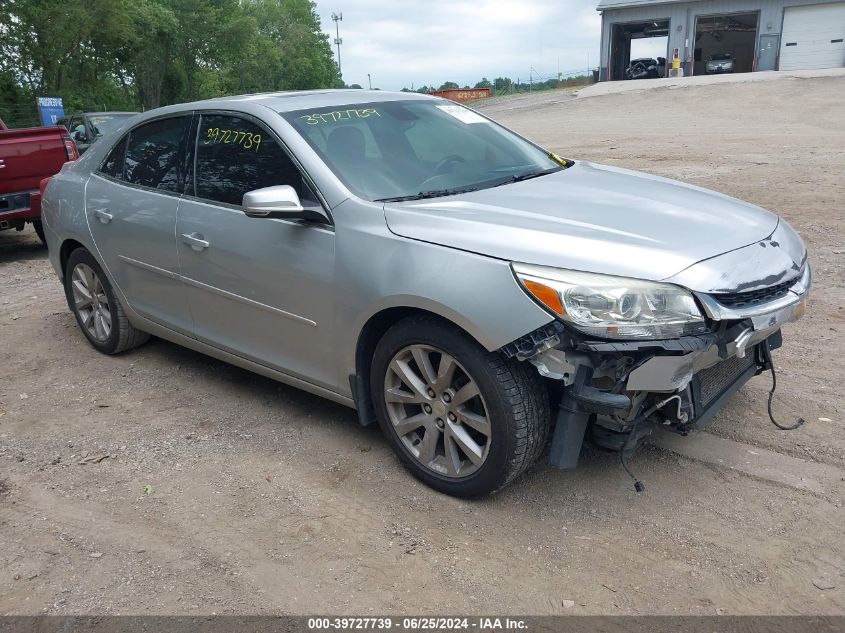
[155,152]
[113,165]
[235,156]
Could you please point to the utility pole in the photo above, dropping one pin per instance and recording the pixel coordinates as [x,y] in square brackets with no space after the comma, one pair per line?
[338,17]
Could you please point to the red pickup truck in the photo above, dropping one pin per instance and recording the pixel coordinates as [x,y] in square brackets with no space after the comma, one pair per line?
[26,157]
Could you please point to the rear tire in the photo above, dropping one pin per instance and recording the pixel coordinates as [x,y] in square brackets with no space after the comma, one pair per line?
[98,313]
[39,230]
[459,445]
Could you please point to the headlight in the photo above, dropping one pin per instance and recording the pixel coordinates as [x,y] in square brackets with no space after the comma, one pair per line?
[613,307]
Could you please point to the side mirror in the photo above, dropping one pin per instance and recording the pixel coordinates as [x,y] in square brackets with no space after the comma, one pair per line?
[281,202]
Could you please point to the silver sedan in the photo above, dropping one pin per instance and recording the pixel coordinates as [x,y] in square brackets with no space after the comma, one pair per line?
[476,295]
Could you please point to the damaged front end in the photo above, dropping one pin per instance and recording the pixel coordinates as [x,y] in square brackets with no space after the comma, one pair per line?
[615,391]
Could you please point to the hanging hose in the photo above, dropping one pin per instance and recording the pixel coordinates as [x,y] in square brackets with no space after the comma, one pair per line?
[638,485]
[767,359]
[628,446]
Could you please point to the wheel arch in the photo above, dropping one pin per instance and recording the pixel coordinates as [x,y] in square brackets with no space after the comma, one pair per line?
[371,333]
[68,246]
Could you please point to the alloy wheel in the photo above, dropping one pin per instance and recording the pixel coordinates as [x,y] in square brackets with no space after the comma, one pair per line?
[91,302]
[437,411]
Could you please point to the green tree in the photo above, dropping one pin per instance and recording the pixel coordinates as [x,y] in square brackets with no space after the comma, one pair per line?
[500,84]
[128,54]
[303,57]
[449,85]
[149,54]
[484,83]
[53,45]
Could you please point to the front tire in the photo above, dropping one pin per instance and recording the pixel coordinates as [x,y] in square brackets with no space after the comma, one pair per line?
[98,313]
[463,420]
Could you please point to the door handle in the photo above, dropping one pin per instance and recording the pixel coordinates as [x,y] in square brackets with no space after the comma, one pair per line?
[2,164]
[104,216]
[195,241]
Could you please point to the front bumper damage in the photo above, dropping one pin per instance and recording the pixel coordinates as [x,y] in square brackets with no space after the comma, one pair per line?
[615,393]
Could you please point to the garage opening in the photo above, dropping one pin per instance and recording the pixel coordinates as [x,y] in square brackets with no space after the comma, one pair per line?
[725,43]
[648,41]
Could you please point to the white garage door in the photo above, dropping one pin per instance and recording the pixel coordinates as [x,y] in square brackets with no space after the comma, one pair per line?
[813,37]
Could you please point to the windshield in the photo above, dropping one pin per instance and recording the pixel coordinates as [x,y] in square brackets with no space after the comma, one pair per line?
[395,150]
[720,56]
[105,123]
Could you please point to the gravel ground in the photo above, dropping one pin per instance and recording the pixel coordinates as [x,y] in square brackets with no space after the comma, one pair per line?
[164,482]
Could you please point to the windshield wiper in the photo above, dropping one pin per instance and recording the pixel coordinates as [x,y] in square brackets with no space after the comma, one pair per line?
[528,176]
[434,193]
[437,193]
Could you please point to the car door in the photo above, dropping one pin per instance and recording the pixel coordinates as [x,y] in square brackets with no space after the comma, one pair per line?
[258,287]
[131,204]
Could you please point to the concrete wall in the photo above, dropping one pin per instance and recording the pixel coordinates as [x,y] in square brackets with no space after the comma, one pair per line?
[682,21]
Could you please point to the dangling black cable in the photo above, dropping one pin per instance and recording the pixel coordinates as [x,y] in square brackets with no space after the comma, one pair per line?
[629,445]
[638,485]
[767,358]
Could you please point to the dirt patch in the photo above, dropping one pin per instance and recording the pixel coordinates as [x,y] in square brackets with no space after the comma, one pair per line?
[224,492]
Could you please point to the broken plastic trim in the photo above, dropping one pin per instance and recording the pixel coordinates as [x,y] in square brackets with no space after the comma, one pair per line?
[535,342]
[594,400]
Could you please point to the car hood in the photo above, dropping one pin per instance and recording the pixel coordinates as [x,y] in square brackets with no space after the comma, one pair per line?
[589,217]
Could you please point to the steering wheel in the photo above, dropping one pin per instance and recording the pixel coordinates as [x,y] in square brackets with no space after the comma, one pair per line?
[440,169]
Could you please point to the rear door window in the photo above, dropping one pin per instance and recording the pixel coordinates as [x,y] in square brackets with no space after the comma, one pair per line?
[155,154]
[235,155]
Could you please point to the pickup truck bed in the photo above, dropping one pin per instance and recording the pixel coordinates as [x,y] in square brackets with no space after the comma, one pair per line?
[27,156]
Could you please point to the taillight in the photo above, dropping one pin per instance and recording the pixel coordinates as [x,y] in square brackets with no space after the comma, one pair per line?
[70,148]
[43,185]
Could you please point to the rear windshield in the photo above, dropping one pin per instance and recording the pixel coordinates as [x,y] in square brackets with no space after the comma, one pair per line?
[395,149]
[105,123]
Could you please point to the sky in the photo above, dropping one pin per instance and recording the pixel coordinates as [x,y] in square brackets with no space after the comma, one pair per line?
[428,42]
